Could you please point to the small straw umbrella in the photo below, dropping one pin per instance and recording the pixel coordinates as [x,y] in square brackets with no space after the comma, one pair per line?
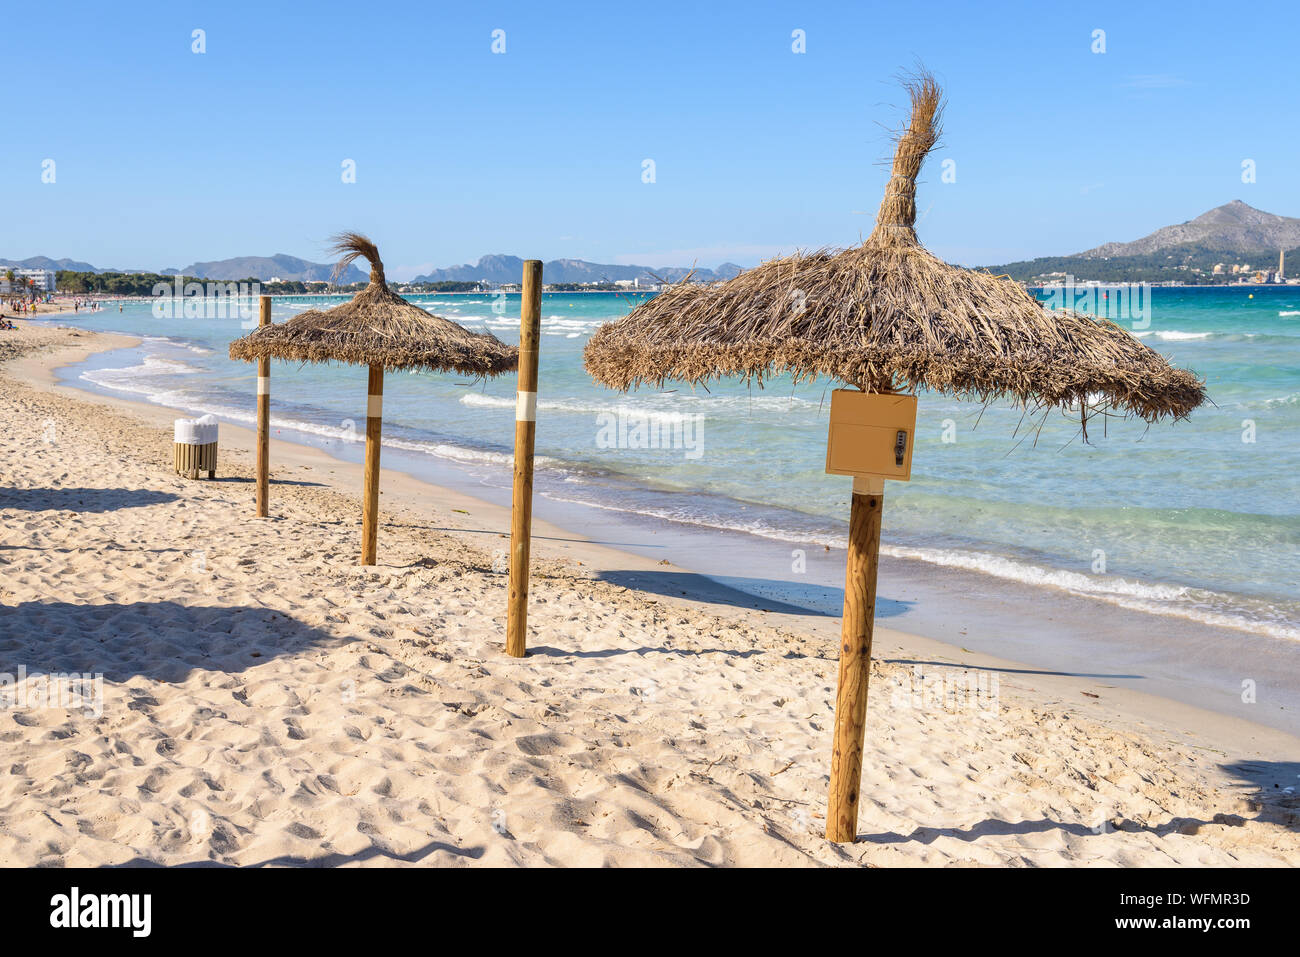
[883,317]
[381,330]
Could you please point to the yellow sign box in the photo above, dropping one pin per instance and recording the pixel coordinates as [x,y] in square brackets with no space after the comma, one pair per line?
[871,434]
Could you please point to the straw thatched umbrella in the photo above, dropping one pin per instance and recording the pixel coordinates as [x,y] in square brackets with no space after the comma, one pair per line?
[885,317]
[381,330]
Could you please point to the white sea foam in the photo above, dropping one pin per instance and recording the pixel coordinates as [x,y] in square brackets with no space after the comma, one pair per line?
[355,433]
[1037,575]
[1289,313]
[125,379]
[166,340]
[664,417]
[682,404]
[1174,335]
[686,517]
[1200,605]
[490,401]
[1292,399]
[139,380]
[552,325]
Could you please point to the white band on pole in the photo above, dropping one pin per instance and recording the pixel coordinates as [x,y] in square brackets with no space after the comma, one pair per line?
[526,407]
[868,485]
[374,406]
[264,385]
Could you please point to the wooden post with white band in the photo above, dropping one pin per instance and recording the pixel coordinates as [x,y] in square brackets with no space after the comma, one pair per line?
[370,495]
[521,510]
[871,438]
[263,416]
[855,657]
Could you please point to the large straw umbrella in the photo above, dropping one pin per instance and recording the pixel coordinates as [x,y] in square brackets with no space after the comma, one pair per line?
[381,330]
[883,317]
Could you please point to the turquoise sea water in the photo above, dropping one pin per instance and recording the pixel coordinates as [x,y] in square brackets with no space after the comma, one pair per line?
[1183,519]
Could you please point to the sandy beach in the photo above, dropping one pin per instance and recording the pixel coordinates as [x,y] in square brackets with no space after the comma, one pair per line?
[267,701]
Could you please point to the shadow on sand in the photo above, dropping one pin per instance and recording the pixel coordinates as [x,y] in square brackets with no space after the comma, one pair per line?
[371,853]
[491,533]
[81,499]
[1275,786]
[549,652]
[922,662]
[804,600]
[165,641]
[249,480]
[675,584]
[1269,804]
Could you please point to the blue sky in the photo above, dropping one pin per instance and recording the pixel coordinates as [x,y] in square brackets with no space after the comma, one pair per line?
[164,156]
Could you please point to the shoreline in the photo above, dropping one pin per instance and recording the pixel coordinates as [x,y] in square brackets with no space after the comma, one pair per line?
[643,728]
[1170,657]
[639,563]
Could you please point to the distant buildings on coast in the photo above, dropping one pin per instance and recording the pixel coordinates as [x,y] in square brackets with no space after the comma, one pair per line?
[1222,274]
[1246,273]
[42,280]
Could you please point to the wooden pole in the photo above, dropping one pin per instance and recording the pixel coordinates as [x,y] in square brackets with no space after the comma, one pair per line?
[855,658]
[263,416]
[521,509]
[370,496]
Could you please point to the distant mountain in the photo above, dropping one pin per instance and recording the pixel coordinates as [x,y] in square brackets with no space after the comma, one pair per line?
[508,269]
[493,269]
[1232,227]
[279,266]
[1232,234]
[241,267]
[45,262]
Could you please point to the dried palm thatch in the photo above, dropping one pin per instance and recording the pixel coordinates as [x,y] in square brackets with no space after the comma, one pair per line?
[887,315]
[377,328]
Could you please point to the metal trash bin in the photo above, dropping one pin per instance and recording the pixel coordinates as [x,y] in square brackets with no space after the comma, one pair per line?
[195,448]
